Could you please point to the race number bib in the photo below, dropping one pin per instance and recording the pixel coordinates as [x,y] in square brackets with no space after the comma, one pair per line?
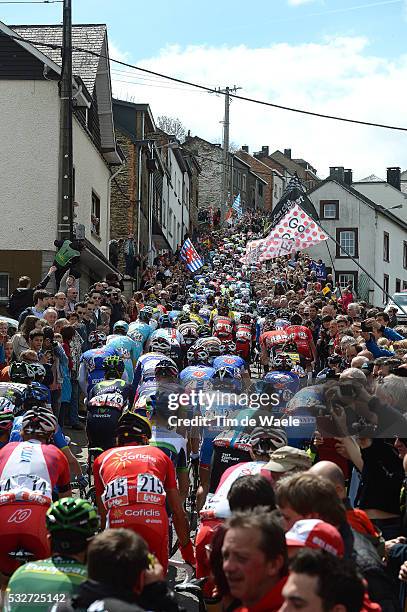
[150,489]
[25,487]
[137,336]
[116,493]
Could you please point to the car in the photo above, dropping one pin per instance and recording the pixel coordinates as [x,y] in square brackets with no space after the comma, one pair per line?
[398,299]
[12,324]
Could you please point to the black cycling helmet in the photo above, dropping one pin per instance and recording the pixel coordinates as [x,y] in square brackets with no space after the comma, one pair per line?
[113,365]
[204,331]
[144,315]
[132,425]
[35,395]
[165,367]
[20,372]
[97,339]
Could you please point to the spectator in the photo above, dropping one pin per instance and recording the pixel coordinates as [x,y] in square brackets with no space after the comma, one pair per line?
[60,304]
[21,338]
[23,296]
[40,298]
[35,340]
[50,315]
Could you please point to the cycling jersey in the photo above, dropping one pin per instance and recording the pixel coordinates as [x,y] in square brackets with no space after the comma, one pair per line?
[172,444]
[91,366]
[145,368]
[116,385]
[146,389]
[132,482]
[196,377]
[173,335]
[140,331]
[302,336]
[223,327]
[29,471]
[58,439]
[54,578]
[229,360]
[128,350]
[273,338]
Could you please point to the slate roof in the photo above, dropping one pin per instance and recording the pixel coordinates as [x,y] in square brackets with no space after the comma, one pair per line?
[87,36]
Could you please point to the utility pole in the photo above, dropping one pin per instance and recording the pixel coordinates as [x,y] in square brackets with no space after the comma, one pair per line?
[226,143]
[66,214]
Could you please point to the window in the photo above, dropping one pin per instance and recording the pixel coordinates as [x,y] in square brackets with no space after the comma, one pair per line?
[170,223]
[260,190]
[344,278]
[4,286]
[244,182]
[386,246]
[398,285]
[348,239]
[175,183]
[95,215]
[329,209]
[178,233]
[275,191]
[404,285]
[385,287]
[405,254]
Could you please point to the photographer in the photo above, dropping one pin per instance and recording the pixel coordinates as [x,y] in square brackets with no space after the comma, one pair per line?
[370,331]
[119,306]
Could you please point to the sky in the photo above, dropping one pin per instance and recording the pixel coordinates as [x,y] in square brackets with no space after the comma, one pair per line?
[338,57]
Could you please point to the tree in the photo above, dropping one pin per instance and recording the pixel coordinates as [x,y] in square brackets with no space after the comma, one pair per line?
[172,126]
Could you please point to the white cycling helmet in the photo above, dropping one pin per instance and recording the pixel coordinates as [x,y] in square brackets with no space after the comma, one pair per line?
[40,420]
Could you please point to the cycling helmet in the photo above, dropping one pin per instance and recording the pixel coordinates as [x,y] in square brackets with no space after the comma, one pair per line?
[282,362]
[299,370]
[161,345]
[113,364]
[246,319]
[40,420]
[268,325]
[281,323]
[144,315]
[121,325]
[20,372]
[266,440]
[6,414]
[73,514]
[164,321]
[197,355]
[229,375]
[286,385]
[204,331]
[38,371]
[183,318]
[166,368]
[228,347]
[149,310]
[97,339]
[131,423]
[35,395]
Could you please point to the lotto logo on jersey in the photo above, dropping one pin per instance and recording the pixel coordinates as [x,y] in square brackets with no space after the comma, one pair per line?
[19,516]
[198,374]
[229,360]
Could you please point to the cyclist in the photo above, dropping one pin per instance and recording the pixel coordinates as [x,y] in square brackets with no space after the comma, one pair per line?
[29,471]
[245,336]
[91,362]
[134,482]
[6,419]
[145,368]
[302,336]
[71,524]
[140,330]
[114,368]
[128,349]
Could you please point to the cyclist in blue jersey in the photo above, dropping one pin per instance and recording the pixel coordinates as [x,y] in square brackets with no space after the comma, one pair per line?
[145,368]
[141,330]
[91,369]
[126,348]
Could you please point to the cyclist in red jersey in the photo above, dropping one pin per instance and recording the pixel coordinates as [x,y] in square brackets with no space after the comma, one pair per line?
[29,472]
[133,483]
[302,336]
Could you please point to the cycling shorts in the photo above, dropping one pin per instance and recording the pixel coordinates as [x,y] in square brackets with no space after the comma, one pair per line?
[22,526]
[150,522]
[101,425]
[243,349]
[206,449]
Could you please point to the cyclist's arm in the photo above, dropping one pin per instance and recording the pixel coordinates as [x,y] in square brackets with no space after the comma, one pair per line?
[182,473]
[83,378]
[64,478]
[99,489]
[72,461]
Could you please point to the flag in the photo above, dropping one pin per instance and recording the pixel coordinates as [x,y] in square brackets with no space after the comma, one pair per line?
[237,205]
[189,254]
[295,231]
[293,194]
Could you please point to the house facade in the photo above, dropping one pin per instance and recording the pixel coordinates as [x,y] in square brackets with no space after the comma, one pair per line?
[30,125]
[287,166]
[374,236]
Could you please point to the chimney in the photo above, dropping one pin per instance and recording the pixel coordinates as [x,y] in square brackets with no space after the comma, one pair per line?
[337,173]
[394,177]
[265,151]
[348,177]
[245,148]
[287,153]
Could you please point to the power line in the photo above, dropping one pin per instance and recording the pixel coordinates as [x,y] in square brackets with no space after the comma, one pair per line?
[213,90]
[31,2]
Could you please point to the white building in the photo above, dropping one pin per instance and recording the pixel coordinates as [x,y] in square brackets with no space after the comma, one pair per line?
[30,127]
[177,190]
[374,236]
